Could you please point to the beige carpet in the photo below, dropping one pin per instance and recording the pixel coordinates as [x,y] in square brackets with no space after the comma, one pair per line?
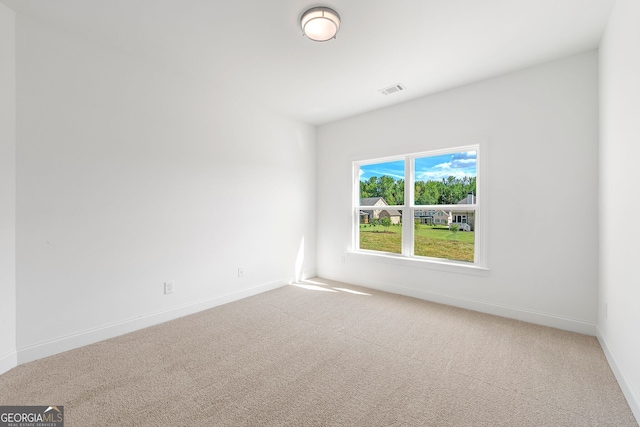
[322,354]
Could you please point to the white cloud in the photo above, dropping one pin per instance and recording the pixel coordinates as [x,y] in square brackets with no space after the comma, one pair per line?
[443,174]
[465,162]
[443,165]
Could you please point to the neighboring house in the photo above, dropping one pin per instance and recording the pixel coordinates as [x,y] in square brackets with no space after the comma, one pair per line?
[367,215]
[442,218]
[432,217]
[423,217]
[465,219]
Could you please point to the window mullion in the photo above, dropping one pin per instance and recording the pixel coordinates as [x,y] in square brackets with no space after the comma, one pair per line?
[407,212]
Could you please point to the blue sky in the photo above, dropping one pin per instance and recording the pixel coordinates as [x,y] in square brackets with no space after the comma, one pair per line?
[392,169]
[432,168]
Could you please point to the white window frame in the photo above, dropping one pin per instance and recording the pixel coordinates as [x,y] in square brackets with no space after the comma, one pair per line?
[407,257]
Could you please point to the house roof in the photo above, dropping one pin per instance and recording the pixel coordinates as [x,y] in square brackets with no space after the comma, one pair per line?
[371,201]
[465,200]
[393,212]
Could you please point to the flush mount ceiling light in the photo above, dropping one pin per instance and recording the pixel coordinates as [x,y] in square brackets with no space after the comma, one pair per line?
[320,24]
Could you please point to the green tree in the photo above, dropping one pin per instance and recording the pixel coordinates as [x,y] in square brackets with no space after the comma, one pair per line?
[368,188]
[387,189]
[447,191]
[398,192]
[418,192]
[431,193]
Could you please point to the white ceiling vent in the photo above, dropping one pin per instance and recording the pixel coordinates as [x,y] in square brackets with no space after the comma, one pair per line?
[392,89]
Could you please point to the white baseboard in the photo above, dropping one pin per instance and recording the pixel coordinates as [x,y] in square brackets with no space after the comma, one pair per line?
[630,392]
[90,336]
[8,361]
[539,318]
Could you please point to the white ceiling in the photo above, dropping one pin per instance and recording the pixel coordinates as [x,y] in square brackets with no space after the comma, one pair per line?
[257,46]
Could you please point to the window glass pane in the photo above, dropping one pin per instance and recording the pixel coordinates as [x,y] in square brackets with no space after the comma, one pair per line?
[446,179]
[382,181]
[381,230]
[445,234]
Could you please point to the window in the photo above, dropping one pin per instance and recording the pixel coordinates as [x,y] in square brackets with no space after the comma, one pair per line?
[422,206]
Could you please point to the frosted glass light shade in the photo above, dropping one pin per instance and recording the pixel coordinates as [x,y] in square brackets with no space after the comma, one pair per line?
[320,24]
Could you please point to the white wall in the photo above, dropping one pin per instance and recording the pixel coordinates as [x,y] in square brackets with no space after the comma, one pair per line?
[619,302]
[541,129]
[7,190]
[129,175]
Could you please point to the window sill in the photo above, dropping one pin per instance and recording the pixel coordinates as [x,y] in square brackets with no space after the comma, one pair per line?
[429,264]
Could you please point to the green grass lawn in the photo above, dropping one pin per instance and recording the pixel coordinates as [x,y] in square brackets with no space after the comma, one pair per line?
[430,241]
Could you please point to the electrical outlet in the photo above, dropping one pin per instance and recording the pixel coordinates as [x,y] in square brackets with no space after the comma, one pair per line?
[168,288]
[240,272]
